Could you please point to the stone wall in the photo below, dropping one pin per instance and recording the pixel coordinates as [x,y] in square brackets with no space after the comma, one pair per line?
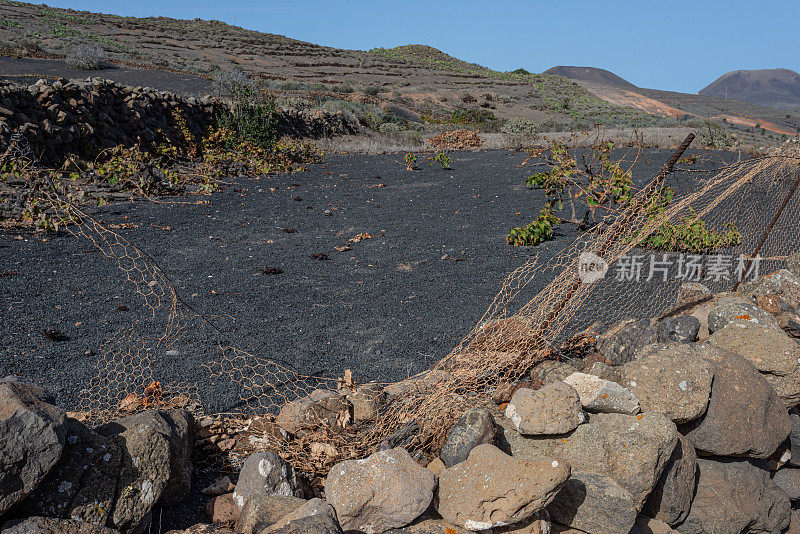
[83,117]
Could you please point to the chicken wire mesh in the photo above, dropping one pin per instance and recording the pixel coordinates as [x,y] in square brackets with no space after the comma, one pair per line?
[521,326]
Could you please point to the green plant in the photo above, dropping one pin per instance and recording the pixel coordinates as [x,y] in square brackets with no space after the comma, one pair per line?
[411,161]
[254,117]
[713,136]
[689,234]
[538,230]
[441,158]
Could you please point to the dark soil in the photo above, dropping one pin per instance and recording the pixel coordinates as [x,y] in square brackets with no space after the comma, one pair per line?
[264,266]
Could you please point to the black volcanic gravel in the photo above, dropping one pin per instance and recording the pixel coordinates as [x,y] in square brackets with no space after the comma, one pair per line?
[389,307]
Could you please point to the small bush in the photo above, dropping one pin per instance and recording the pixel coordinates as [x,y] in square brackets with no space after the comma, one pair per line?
[536,231]
[86,57]
[372,90]
[519,131]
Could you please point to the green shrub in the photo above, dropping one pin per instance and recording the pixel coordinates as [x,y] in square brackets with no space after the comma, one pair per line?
[254,117]
[541,229]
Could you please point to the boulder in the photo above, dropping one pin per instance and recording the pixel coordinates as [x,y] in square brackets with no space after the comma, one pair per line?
[678,329]
[553,409]
[367,400]
[320,407]
[672,379]
[745,417]
[50,525]
[697,301]
[475,427]
[318,524]
[265,473]
[314,516]
[790,323]
[782,283]
[734,497]
[156,450]
[788,479]
[773,353]
[386,490]
[631,449]
[594,503]
[493,489]
[603,396]
[672,497]
[604,371]
[262,511]
[620,342]
[549,371]
[83,484]
[221,510]
[32,432]
[203,528]
[732,309]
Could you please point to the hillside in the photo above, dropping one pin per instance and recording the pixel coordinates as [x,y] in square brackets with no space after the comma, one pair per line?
[590,74]
[778,88]
[416,82]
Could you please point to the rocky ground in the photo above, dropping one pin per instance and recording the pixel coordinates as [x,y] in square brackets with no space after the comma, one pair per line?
[402,297]
[686,423]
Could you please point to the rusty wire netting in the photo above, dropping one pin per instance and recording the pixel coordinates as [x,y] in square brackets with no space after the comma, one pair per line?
[521,326]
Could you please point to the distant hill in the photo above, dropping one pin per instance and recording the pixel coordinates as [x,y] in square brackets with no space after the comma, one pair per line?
[590,74]
[778,88]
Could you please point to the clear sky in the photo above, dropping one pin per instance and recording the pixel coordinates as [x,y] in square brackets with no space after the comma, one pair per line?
[676,45]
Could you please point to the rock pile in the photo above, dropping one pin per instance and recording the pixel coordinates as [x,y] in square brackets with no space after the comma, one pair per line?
[60,476]
[83,117]
[687,423]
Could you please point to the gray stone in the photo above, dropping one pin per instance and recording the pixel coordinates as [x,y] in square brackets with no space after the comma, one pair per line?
[262,511]
[782,283]
[680,329]
[731,309]
[321,407]
[49,525]
[475,427]
[265,473]
[594,503]
[672,379]
[788,479]
[631,449]
[620,343]
[603,396]
[492,489]
[32,432]
[604,371]
[745,417]
[314,516]
[553,409]
[386,490]
[672,497]
[549,371]
[316,524]
[735,497]
[156,447]
[83,483]
[772,352]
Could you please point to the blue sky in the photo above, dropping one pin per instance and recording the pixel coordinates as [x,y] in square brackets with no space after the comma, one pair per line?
[676,45]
